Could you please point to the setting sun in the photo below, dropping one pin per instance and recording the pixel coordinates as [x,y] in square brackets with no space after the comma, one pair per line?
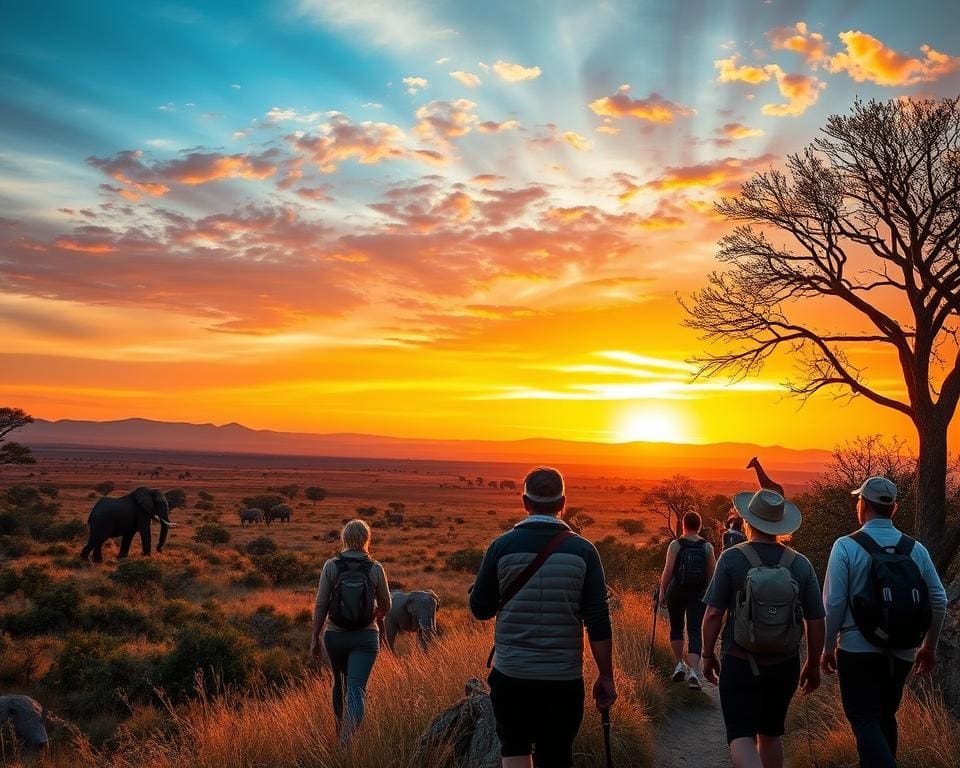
[652,424]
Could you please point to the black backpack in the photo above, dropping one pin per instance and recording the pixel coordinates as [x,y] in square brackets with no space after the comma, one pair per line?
[732,537]
[353,594]
[893,611]
[690,570]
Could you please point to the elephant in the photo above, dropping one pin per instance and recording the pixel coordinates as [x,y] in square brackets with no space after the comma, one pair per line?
[28,719]
[124,516]
[414,611]
[251,515]
[279,512]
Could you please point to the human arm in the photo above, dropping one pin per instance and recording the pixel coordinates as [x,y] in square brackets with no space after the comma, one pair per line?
[604,689]
[668,566]
[927,654]
[711,562]
[320,606]
[383,593]
[712,623]
[595,612]
[835,598]
[485,593]
[810,674]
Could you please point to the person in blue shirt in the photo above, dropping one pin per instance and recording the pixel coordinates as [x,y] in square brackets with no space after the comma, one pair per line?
[872,678]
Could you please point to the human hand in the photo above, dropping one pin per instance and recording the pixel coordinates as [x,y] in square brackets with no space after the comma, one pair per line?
[710,667]
[809,677]
[926,660]
[663,603]
[828,662]
[604,692]
[316,651]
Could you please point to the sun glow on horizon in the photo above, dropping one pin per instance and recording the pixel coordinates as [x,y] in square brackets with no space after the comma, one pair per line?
[652,424]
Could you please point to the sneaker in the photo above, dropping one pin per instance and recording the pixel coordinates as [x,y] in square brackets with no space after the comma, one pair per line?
[693,680]
[679,672]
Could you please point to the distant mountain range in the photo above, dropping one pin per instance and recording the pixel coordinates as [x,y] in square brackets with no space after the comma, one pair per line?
[145,434]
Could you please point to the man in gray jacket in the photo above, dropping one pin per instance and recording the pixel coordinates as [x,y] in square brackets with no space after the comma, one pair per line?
[536,685]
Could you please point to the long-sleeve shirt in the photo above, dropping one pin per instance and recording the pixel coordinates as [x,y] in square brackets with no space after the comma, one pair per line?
[539,633]
[847,572]
[328,577]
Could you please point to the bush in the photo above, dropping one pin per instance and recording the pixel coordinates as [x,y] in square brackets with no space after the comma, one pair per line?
[206,506]
[105,488]
[253,580]
[137,574]
[69,530]
[49,490]
[212,534]
[9,581]
[93,676]
[176,579]
[116,617]
[263,501]
[631,526]
[262,545]
[205,495]
[284,568]
[222,655]
[266,626]
[366,511]
[54,610]
[176,498]
[35,579]
[464,560]
[14,546]
[631,567]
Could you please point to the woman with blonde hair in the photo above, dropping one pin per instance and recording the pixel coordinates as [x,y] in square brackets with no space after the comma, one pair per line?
[353,590]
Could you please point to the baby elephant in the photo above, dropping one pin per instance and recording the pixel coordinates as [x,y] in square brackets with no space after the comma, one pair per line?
[27,717]
[411,612]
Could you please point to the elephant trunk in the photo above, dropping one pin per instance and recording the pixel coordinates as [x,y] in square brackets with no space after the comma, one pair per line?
[165,526]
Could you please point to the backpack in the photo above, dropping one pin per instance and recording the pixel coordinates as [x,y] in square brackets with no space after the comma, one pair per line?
[893,611]
[690,570]
[352,596]
[767,614]
[732,537]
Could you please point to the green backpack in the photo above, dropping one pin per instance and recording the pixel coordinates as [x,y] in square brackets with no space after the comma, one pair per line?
[767,616]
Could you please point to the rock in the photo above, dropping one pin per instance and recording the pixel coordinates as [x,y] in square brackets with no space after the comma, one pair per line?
[463,736]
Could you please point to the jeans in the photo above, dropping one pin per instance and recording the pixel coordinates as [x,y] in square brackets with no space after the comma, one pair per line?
[682,603]
[352,655]
[871,686]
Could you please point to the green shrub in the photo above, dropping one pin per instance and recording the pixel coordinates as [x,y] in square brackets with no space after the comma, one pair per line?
[116,617]
[176,579]
[68,530]
[34,579]
[14,546]
[632,567]
[284,568]
[93,676]
[277,667]
[464,560]
[205,495]
[212,534]
[220,653]
[204,505]
[49,490]
[176,498]
[366,511]
[266,626]
[137,574]
[178,612]
[253,580]
[54,610]
[631,526]
[262,545]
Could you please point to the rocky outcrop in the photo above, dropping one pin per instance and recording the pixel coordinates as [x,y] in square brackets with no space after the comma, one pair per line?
[463,736]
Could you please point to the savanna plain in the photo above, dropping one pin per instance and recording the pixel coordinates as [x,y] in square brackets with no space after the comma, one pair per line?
[197,656]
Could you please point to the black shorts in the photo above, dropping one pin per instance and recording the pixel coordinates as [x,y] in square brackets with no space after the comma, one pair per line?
[539,717]
[756,704]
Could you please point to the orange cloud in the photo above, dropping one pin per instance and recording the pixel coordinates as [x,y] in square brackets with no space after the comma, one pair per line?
[515,73]
[868,59]
[201,168]
[492,126]
[575,140]
[653,109]
[725,174]
[341,139]
[799,39]
[736,131]
[468,79]
[731,71]
[442,120]
[71,244]
[800,91]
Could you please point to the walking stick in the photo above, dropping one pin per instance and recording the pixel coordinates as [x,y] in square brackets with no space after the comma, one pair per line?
[653,633]
[605,719]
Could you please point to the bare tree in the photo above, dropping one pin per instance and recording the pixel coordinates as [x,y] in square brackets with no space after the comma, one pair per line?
[12,419]
[866,221]
[672,499]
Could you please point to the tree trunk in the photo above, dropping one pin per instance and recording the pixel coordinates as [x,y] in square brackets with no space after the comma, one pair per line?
[931,512]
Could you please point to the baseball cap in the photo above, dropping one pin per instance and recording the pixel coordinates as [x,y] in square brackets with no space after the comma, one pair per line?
[878,489]
[543,485]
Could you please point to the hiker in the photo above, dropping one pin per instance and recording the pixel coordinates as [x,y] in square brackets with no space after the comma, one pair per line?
[761,670]
[686,573]
[733,534]
[353,591]
[543,583]
[885,606]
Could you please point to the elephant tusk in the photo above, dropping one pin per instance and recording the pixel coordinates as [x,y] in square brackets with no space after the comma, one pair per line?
[165,522]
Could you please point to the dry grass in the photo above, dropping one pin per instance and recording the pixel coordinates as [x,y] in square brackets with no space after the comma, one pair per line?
[293,727]
[819,735]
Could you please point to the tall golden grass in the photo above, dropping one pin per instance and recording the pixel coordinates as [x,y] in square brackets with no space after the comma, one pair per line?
[293,726]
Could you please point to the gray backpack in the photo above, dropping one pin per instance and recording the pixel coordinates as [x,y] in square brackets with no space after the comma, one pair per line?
[767,617]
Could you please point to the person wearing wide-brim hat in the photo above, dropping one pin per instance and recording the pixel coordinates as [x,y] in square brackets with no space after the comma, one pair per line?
[756,688]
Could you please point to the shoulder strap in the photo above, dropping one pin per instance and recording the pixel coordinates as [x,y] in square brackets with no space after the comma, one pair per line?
[787,558]
[905,545]
[751,554]
[866,541]
[524,576]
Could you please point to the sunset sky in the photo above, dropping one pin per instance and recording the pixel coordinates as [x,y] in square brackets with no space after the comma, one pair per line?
[414,218]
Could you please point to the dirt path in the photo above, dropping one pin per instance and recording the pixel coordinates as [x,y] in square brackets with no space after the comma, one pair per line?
[692,735]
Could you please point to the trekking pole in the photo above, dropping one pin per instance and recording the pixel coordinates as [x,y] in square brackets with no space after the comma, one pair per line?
[605,720]
[653,633]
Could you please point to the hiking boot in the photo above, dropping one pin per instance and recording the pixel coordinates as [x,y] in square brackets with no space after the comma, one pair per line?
[693,680]
[679,672]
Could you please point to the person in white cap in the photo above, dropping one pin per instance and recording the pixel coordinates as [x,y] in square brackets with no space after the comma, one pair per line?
[885,606]
[771,596]
[544,584]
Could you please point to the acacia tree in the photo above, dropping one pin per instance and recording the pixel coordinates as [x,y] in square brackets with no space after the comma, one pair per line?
[866,219]
[12,419]
[672,499]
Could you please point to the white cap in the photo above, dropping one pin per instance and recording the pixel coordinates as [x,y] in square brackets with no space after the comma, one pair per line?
[878,489]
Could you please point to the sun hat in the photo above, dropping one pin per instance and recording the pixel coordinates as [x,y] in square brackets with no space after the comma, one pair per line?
[768,512]
[543,485]
[878,489]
